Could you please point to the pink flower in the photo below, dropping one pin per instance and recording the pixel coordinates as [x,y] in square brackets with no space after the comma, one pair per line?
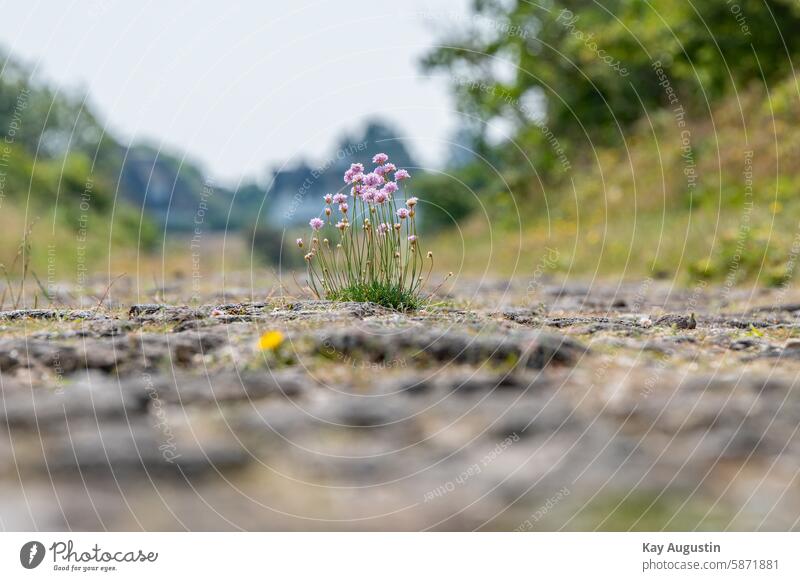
[368,195]
[373,179]
[299,242]
[380,158]
[380,197]
[316,223]
[341,225]
[390,187]
[401,175]
[389,167]
[339,198]
[402,213]
[412,238]
[383,228]
[380,170]
[411,202]
[328,198]
[343,208]
[354,174]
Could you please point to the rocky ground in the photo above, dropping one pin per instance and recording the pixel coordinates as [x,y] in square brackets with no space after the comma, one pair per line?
[504,406]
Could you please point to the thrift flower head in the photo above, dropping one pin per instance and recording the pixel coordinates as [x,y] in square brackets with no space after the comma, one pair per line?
[316,223]
[389,167]
[339,198]
[353,175]
[343,208]
[328,198]
[402,213]
[380,197]
[411,202]
[390,187]
[380,158]
[300,242]
[412,238]
[373,179]
[401,175]
[368,195]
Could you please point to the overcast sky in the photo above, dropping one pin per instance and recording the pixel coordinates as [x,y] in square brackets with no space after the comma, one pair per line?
[243,85]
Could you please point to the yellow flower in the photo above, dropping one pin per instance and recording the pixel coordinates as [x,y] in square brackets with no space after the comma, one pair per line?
[270,340]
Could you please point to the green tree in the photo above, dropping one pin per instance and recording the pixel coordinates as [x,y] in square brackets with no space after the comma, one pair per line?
[584,70]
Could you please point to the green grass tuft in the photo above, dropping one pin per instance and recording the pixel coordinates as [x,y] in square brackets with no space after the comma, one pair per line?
[380,293]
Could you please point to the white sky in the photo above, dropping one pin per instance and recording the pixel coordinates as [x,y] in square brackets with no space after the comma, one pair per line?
[241,86]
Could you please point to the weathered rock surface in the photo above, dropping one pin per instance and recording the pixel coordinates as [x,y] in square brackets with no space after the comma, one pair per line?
[573,406]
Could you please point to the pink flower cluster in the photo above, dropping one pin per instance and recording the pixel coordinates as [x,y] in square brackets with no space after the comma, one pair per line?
[376,248]
[375,187]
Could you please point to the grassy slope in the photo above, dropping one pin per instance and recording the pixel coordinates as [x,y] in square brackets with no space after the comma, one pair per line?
[73,237]
[632,213]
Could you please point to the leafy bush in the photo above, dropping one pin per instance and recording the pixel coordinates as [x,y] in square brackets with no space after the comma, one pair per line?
[585,70]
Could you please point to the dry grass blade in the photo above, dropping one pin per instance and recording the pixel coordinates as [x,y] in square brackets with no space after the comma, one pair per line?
[107,291]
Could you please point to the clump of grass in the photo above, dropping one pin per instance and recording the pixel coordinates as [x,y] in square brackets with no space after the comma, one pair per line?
[378,292]
[376,257]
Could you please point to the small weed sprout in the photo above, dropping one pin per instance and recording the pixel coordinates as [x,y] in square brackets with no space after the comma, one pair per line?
[366,248]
